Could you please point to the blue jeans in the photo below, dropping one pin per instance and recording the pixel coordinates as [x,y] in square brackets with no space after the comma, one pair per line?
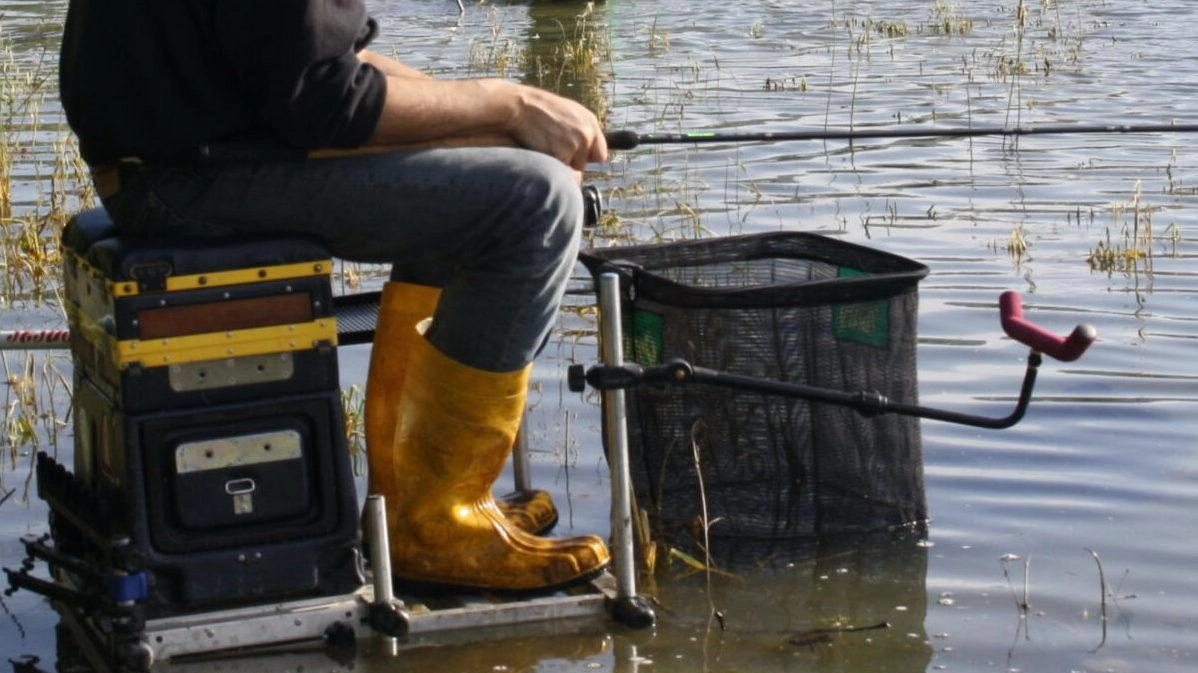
[496,228]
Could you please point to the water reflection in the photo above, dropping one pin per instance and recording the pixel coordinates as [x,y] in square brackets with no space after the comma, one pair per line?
[591,648]
[1106,458]
[528,648]
[568,52]
[859,609]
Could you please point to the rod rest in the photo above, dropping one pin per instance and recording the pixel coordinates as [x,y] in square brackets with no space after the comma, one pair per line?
[68,496]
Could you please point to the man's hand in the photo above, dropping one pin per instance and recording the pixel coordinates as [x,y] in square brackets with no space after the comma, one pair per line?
[557,126]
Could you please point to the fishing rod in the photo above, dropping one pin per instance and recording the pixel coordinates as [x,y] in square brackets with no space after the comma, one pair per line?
[52,339]
[627,140]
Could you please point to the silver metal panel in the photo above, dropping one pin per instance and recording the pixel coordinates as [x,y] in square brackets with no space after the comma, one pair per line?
[250,627]
[229,372]
[225,452]
[246,628]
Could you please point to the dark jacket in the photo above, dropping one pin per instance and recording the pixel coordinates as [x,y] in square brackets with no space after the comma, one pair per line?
[157,78]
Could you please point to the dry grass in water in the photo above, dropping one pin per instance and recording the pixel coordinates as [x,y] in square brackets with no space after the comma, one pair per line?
[1015,244]
[41,184]
[353,398]
[32,218]
[578,65]
[948,20]
[32,421]
[1130,250]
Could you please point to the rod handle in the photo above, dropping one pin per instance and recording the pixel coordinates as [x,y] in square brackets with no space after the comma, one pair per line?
[1065,349]
[622,139]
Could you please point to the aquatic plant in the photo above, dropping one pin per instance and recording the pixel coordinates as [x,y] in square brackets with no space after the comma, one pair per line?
[32,420]
[31,221]
[575,63]
[33,211]
[495,56]
[353,399]
[659,40]
[948,19]
[1131,249]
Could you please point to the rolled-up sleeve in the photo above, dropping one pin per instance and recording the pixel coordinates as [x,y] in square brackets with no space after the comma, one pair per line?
[296,61]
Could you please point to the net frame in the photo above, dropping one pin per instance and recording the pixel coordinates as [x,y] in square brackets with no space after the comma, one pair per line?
[773,474]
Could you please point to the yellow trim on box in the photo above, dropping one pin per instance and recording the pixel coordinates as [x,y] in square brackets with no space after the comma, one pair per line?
[218,345]
[261,274]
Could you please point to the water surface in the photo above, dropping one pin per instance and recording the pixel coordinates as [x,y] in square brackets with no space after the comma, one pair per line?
[1105,464]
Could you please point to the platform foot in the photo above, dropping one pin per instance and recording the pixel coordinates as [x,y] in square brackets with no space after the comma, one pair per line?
[633,611]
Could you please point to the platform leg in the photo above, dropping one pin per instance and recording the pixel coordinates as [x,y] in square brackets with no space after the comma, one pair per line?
[387,614]
[628,607]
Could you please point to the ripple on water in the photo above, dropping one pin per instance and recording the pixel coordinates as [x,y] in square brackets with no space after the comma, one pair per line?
[1105,459]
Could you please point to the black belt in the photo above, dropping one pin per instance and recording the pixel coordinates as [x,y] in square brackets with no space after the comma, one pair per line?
[107,179]
[107,176]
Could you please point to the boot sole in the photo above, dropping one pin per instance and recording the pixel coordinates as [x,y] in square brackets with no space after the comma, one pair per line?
[540,532]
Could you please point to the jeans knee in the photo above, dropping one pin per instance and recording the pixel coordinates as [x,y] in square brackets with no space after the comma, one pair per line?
[553,219]
[564,199]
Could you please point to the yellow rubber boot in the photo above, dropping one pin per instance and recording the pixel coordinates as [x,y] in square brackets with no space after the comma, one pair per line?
[401,306]
[455,429]
[531,511]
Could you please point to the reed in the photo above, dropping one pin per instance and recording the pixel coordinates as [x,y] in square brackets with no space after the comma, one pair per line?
[1130,249]
[41,182]
[34,388]
[1016,244]
[947,19]
[353,399]
[495,56]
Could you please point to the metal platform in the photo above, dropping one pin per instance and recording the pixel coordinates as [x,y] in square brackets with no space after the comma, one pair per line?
[372,611]
[345,619]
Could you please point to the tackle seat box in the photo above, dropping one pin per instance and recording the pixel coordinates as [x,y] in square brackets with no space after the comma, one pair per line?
[223,505]
[162,324]
[209,423]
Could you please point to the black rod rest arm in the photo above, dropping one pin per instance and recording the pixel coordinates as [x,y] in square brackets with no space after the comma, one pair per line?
[1065,349]
[89,597]
[869,403]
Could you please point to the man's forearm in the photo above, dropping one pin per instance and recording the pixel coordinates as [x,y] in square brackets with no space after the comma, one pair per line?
[417,110]
[389,66]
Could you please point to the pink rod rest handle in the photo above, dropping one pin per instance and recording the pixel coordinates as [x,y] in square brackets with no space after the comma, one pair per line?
[1065,349]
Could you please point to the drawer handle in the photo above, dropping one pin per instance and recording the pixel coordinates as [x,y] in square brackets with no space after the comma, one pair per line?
[240,486]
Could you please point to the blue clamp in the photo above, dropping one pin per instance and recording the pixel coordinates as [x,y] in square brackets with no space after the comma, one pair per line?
[128,588]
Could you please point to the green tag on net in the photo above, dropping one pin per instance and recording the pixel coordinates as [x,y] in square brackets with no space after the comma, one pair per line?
[643,344]
[866,322]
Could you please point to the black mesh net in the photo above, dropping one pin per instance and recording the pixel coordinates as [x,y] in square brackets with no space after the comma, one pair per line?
[770,474]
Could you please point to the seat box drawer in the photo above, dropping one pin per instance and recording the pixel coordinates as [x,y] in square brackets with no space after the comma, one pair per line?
[238,479]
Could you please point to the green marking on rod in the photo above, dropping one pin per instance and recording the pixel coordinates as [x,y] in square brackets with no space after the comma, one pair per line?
[701,134]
